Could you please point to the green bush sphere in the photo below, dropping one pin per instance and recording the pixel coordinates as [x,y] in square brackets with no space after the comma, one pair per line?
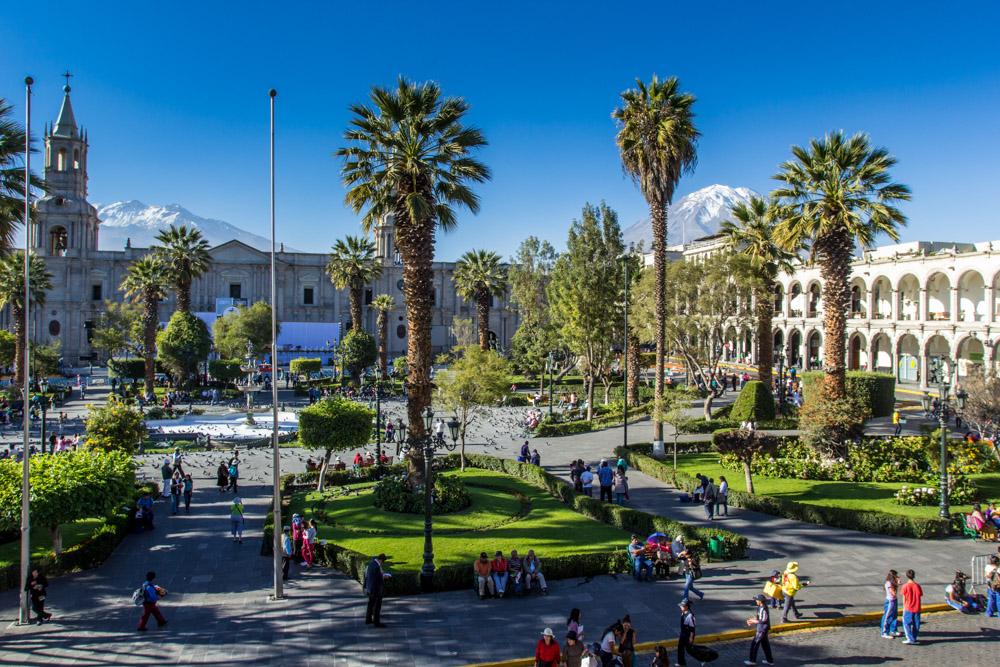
[755,403]
[876,390]
[394,495]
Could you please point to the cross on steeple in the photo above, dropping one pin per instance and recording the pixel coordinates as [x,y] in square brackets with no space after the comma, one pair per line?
[67,75]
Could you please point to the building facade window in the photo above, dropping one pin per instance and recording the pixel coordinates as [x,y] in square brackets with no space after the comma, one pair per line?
[235,291]
[307,296]
[368,297]
[96,292]
[54,328]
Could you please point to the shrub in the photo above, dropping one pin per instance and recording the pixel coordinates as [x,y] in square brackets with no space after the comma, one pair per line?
[357,351]
[115,426]
[754,403]
[335,423]
[393,494]
[225,370]
[305,366]
[130,369]
[877,391]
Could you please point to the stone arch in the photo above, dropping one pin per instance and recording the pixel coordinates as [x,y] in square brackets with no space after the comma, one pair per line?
[796,300]
[814,349]
[881,299]
[970,355]
[908,359]
[730,342]
[972,306]
[938,296]
[58,241]
[908,300]
[778,340]
[937,347]
[859,298]
[778,300]
[857,352]
[881,353]
[814,299]
[795,348]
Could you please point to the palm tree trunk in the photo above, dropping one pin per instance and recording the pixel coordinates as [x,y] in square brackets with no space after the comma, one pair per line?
[149,318]
[355,296]
[17,320]
[634,368]
[383,344]
[658,217]
[483,311]
[749,476]
[834,254]
[765,338]
[184,296]
[416,248]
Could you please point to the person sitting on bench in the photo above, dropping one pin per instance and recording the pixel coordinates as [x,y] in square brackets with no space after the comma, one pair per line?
[533,572]
[640,560]
[484,582]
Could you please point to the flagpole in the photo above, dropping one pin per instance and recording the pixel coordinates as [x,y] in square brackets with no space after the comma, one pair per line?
[25,616]
[276,477]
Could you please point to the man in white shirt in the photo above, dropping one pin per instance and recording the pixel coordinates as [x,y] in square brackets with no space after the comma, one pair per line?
[587,480]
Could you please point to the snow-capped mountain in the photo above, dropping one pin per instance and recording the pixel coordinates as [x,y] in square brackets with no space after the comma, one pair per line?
[698,214]
[135,221]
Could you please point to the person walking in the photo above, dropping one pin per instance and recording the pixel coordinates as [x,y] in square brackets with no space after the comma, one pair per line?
[37,587]
[620,485]
[374,585]
[574,650]
[298,537]
[610,639]
[890,610]
[166,473]
[688,630]
[234,475]
[626,648]
[287,551]
[222,477]
[790,585]
[187,489]
[992,573]
[708,499]
[897,422]
[692,571]
[912,593]
[151,595]
[722,498]
[587,482]
[236,520]
[606,477]
[762,624]
[309,542]
[176,487]
[547,650]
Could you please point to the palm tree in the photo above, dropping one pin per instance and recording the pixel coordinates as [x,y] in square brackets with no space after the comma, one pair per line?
[479,277]
[410,156]
[384,304]
[11,175]
[837,193]
[353,265]
[144,283]
[185,257]
[752,237]
[657,141]
[12,294]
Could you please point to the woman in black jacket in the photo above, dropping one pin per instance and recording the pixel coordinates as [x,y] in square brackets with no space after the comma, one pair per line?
[36,587]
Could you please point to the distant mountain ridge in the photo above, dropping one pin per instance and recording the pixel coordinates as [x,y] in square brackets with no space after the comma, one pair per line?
[693,216]
[138,223]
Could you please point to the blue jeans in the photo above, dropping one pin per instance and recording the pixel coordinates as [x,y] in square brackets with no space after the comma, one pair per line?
[890,613]
[175,499]
[689,586]
[911,625]
[973,608]
[619,498]
[500,581]
[992,602]
[237,527]
[643,564]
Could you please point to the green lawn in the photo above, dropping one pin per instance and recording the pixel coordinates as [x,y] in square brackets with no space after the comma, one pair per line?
[505,514]
[851,495]
[41,540]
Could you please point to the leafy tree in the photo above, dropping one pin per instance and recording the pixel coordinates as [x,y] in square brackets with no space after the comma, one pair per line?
[334,424]
[225,370]
[400,366]
[657,139]
[706,300]
[248,324]
[115,426]
[12,138]
[586,293]
[529,275]
[130,369]
[7,345]
[835,194]
[144,284]
[45,358]
[357,352]
[410,155]
[744,445]
[12,294]
[66,488]
[115,328]
[383,304]
[305,366]
[184,254]
[479,276]
[982,406]
[183,345]
[530,348]
[476,380]
[462,331]
[752,235]
[353,265]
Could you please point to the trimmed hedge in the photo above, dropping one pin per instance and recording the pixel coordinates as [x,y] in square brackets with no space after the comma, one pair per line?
[459,577]
[881,523]
[877,390]
[754,402]
[89,553]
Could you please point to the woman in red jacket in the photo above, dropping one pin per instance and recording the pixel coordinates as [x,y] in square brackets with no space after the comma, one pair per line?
[547,650]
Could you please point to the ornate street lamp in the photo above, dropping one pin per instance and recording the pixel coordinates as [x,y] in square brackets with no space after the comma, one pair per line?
[940,370]
[550,366]
[43,386]
[453,426]
[378,415]
[925,402]
[781,382]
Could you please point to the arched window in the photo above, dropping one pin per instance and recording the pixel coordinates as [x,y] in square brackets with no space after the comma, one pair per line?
[58,241]
[76,158]
[61,160]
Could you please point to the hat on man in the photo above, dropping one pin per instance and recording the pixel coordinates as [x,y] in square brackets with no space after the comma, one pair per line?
[571,634]
[792,567]
[547,632]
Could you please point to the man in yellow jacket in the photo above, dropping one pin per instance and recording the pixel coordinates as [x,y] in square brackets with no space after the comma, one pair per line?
[790,585]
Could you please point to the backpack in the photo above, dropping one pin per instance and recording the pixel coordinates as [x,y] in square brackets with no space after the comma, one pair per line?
[138,596]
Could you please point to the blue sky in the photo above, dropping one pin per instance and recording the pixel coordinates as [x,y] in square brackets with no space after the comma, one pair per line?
[174,96]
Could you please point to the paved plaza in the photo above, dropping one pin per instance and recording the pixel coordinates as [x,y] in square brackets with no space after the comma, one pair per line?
[219,613]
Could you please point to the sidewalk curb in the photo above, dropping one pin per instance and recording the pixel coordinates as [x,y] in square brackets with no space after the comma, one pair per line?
[729,635]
